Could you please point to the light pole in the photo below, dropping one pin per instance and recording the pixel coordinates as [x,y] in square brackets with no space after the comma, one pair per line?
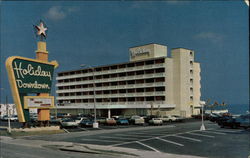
[95,124]
[202,103]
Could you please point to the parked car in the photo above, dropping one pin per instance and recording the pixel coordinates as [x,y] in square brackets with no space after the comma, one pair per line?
[110,121]
[245,123]
[148,117]
[168,118]
[155,121]
[137,120]
[214,117]
[122,121]
[79,119]
[86,123]
[232,122]
[222,119]
[68,122]
[101,120]
[178,118]
[55,121]
[63,115]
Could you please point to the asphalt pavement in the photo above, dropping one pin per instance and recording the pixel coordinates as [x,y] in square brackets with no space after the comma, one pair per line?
[179,138]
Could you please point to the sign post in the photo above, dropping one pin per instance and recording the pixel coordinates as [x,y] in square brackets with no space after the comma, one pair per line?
[31,81]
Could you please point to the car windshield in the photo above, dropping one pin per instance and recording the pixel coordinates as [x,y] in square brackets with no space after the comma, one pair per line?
[68,120]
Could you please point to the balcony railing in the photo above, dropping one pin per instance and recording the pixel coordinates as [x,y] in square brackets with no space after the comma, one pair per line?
[112,71]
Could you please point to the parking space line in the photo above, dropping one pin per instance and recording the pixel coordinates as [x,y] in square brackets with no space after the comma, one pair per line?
[147,146]
[168,141]
[229,131]
[131,135]
[203,135]
[117,138]
[84,129]
[101,140]
[66,130]
[149,134]
[193,139]
[214,132]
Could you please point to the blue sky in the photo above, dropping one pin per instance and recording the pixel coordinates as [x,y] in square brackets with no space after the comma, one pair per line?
[100,33]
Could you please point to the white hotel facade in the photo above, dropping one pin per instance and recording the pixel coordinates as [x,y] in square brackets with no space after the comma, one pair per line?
[150,83]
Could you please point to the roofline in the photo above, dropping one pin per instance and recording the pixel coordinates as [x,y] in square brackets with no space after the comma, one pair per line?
[182,48]
[147,44]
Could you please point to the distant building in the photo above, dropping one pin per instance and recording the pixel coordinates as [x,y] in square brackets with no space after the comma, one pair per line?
[150,83]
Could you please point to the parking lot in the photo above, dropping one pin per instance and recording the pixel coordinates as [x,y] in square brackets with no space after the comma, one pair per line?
[178,138]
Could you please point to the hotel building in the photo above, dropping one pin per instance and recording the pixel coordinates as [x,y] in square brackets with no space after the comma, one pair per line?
[150,83]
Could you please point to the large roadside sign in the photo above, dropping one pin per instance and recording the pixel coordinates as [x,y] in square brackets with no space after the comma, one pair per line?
[27,77]
[32,77]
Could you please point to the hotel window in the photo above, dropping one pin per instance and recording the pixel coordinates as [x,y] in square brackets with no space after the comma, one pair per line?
[131,99]
[159,70]
[113,75]
[122,66]
[131,65]
[114,99]
[139,64]
[140,90]
[149,71]
[191,72]
[191,81]
[131,90]
[122,83]
[139,81]
[106,92]
[191,98]
[149,89]
[130,73]
[114,67]
[122,91]
[114,91]
[139,72]
[159,98]
[149,62]
[160,89]
[151,80]
[105,68]
[140,99]
[149,98]
[158,61]
[131,82]
[160,79]
[191,62]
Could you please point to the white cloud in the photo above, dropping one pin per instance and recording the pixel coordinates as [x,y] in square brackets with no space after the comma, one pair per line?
[58,12]
[211,36]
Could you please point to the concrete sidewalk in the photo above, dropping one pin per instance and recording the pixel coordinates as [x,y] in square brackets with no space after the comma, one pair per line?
[94,149]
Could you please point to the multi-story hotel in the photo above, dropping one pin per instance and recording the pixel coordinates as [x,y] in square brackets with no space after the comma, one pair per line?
[150,83]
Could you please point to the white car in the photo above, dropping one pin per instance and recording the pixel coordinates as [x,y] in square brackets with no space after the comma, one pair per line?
[155,121]
[137,120]
[168,118]
[79,119]
[69,123]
